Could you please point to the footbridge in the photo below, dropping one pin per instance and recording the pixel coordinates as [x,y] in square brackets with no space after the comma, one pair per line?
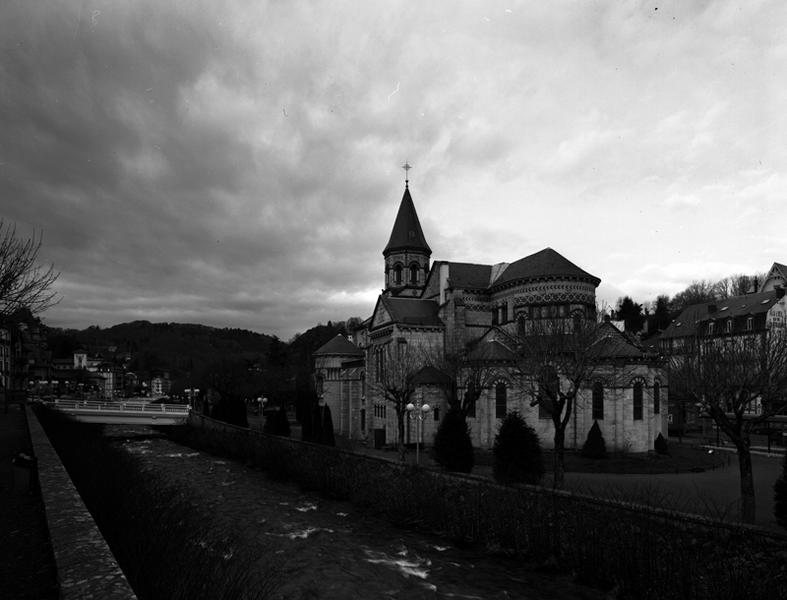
[132,412]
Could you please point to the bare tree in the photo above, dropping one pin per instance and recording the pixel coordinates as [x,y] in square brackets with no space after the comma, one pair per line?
[696,293]
[467,374]
[396,365]
[23,282]
[739,382]
[557,358]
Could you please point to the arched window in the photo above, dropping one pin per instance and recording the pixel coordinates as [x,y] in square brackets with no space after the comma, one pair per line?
[398,275]
[598,401]
[413,273]
[500,400]
[656,397]
[637,400]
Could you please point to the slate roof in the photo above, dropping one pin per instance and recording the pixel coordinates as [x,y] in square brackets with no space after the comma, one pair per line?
[491,350]
[412,311]
[686,322]
[613,343]
[545,263]
[469,275]
[431,375]
[407,233]
[339,345]
[737,306]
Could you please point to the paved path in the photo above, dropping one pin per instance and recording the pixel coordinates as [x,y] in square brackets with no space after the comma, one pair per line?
[27,567]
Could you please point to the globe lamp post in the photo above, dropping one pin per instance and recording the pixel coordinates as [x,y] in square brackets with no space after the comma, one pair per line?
[418,412]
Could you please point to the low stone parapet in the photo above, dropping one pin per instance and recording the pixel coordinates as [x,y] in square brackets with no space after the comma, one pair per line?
[86,566]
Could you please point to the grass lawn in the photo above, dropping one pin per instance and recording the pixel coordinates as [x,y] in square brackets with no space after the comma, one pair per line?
[683,458]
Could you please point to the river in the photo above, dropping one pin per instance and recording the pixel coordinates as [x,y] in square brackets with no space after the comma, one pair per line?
[326,548]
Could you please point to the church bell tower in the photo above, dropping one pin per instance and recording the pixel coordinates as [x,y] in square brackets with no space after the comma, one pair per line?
[407,253]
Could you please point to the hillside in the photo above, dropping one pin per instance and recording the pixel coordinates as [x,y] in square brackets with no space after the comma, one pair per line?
[193,354]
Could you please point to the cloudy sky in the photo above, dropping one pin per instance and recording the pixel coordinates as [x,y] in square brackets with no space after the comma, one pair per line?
[237,164]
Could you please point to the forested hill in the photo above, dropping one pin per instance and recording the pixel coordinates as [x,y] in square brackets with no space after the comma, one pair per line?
[173,347]
[189,353]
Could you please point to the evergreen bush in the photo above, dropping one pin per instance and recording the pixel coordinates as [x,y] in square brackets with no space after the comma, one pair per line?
[276,423]
[595,446]
[780,496]
[660,445]
[517,452]
[325,420]
[453,448]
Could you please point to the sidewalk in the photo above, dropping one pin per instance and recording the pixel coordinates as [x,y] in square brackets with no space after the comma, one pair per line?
[27,566]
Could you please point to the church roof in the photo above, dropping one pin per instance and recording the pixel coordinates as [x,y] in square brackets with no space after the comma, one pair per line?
[469,275]
[613,343]
[339,345]
[493,350]
[431,375]
[412,312]
[546,263]
[407,233]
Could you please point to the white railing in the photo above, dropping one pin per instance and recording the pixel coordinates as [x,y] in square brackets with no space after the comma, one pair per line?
[135,406]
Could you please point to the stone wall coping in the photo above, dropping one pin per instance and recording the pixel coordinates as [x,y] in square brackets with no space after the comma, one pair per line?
[86,567]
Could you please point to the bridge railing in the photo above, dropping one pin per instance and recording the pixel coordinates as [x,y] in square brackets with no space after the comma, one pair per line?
[117,406]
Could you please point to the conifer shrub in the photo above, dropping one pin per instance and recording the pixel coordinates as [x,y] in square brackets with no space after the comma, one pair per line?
[325,420]
[660,445]
[453,447]
[780,496]
[595,446]
[517,452]
[276,423]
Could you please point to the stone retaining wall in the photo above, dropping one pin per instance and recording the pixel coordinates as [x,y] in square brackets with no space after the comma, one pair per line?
[86,566]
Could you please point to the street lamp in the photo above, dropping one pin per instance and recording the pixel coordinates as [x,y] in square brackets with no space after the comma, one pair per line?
[191,392]
[417,411]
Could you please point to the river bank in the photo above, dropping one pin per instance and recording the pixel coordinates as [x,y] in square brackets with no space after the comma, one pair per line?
[184,523]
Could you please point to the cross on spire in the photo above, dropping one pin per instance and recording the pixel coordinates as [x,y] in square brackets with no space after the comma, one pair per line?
[406,166]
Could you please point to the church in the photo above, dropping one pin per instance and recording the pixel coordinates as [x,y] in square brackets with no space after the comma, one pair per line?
[477,311]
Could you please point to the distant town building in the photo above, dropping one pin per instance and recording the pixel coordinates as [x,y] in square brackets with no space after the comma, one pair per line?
[749,316]
[160,385]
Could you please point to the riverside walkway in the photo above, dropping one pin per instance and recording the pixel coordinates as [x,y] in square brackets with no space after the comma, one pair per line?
[27,565]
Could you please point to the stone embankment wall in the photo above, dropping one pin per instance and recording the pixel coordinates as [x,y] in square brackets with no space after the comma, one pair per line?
[643,552]
[86,567]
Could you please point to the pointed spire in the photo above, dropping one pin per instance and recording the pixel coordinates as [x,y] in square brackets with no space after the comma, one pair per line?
[407,233]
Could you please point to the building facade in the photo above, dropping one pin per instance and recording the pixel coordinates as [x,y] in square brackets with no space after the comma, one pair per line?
[748,317]
[445,309]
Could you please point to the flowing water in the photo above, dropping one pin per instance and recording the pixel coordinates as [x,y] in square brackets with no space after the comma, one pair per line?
[331,550]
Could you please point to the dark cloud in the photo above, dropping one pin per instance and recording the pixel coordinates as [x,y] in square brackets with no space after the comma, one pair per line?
[236,163]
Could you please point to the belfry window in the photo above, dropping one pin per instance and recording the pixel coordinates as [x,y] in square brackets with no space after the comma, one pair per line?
[413,273]
[398,275]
